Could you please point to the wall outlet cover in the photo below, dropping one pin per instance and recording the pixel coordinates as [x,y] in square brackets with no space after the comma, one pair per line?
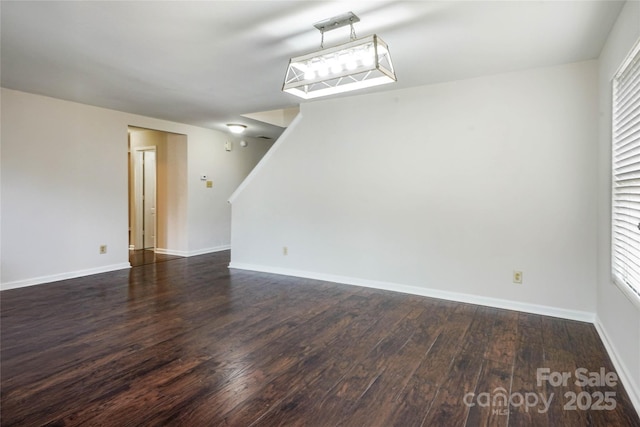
[517,277]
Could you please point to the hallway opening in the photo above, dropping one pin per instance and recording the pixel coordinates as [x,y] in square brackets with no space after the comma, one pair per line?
[157,182]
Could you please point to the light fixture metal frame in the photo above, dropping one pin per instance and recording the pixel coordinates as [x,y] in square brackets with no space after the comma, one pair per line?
[336,22]
[379,71]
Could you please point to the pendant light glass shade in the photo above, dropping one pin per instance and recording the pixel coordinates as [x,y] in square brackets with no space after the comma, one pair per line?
[358,64]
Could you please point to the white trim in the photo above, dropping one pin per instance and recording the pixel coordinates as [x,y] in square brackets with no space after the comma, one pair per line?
[265,158]
[627,60]
[632,388]
[171,252]
[627,292]
[582,316]
[63,276]
[209,250]
[193,253]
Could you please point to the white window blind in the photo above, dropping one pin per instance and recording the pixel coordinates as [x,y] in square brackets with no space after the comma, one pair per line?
[626,176]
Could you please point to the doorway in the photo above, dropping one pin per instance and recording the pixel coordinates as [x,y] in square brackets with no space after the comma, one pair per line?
[156,162]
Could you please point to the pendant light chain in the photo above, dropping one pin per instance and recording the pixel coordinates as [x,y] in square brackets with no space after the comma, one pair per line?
[352,34]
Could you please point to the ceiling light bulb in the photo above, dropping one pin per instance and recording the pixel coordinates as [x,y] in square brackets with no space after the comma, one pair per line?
[323,71]
[368,56]
[236,128]
[336,66]
[350,61]
[309,75]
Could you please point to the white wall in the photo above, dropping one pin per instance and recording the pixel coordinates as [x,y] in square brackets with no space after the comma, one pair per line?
[442,189]
[64,187]
[618,318]
[227,173]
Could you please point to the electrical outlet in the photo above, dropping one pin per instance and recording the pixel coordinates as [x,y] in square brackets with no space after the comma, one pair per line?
[285,250]
[517,277]
[103,249]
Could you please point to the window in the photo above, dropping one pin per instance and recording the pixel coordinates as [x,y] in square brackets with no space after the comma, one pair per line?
[626,176]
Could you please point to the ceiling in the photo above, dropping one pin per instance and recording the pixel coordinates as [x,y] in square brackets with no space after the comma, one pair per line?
[209,63]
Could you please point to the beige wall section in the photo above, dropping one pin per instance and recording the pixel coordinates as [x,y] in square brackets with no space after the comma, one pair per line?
[173,200]
[64,188]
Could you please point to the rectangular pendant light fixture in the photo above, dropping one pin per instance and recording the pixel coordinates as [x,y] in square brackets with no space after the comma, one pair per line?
[358,64]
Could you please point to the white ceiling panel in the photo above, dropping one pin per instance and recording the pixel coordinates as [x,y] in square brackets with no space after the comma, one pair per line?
[209,62]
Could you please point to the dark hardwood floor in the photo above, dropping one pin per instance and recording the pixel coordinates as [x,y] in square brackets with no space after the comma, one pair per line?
[148,256]
[187,342]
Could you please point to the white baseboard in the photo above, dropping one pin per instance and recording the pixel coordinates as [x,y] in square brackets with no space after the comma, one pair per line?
[209,250]
[193,253]
[544,310]
[63,276]
[171,252]
[632,388]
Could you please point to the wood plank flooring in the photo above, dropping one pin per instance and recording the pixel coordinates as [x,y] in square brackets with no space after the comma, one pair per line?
[187,342]
[148,256]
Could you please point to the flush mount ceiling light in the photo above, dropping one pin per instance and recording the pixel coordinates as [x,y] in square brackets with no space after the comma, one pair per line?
[236,128]
[358,64]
